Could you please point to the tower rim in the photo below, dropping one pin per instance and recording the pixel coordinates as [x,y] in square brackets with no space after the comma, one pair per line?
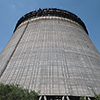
[51,12]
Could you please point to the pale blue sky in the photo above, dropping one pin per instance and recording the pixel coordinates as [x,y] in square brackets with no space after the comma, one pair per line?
[12,10]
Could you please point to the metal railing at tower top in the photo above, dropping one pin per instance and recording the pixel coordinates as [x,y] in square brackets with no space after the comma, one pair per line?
[51,12]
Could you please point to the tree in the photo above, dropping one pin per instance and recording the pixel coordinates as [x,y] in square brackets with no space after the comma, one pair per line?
[16,92]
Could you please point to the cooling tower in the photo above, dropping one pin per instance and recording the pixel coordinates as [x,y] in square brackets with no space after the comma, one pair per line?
[50,51]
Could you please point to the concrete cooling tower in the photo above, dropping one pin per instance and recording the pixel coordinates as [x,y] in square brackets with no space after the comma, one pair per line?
[50,51]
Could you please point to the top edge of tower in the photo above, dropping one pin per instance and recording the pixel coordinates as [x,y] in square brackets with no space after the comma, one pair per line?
[51,12]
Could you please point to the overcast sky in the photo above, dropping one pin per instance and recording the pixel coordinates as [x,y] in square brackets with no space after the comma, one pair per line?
[12,10]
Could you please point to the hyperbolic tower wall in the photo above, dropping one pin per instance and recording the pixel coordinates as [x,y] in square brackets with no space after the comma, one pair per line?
[51,52]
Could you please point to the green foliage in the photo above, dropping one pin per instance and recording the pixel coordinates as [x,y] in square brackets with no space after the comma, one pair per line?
[97,97]
[82,98]
[15,92]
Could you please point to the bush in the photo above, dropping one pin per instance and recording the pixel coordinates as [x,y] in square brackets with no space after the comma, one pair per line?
[15,92]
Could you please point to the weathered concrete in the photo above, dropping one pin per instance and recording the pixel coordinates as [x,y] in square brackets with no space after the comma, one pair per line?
[52,55]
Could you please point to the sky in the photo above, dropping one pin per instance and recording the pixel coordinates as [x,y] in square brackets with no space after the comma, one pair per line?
[12,10]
